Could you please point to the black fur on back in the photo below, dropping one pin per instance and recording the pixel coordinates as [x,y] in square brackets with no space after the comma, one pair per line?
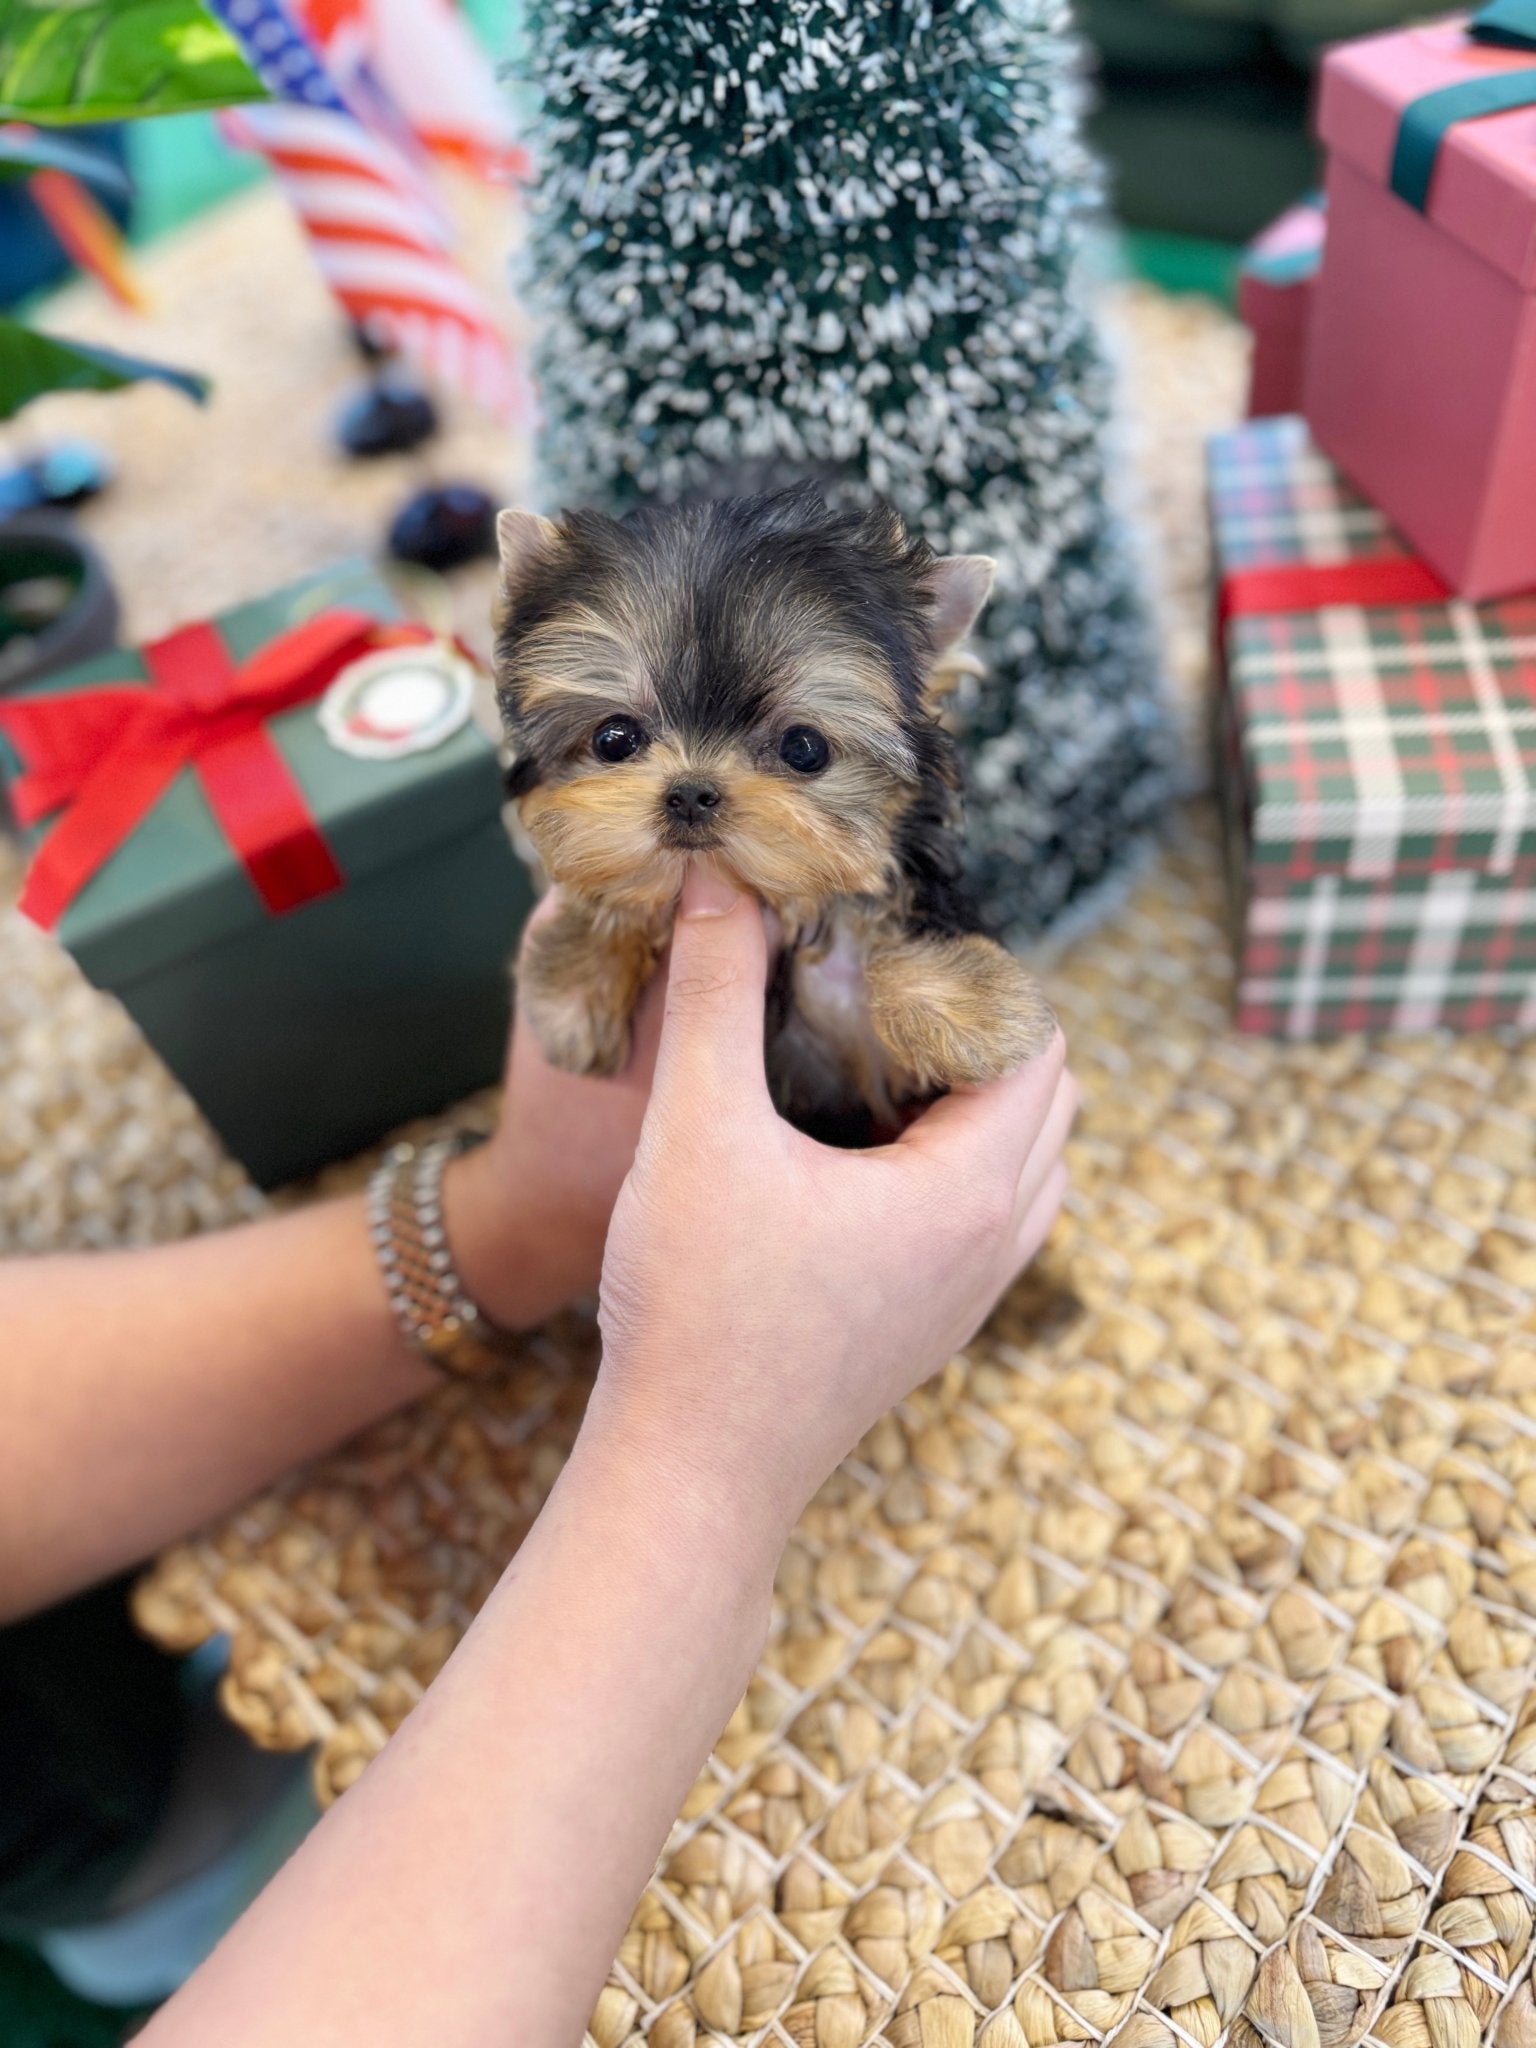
[928,840]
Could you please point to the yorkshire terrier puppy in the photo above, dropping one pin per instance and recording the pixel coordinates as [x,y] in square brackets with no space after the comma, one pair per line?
[752,682]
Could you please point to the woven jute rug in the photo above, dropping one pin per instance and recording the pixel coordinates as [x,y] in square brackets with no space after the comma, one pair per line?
[1162,1671]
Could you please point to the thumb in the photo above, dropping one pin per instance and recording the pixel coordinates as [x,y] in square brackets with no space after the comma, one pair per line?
[712,1028]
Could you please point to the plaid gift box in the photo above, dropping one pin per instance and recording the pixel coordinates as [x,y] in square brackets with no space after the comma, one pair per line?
[1377,762]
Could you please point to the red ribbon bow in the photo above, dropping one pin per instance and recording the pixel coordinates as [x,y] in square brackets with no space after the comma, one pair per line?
[110,751]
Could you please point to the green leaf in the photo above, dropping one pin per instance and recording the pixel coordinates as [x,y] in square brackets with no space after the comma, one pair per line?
[32,363]
[23,150]
[113,60]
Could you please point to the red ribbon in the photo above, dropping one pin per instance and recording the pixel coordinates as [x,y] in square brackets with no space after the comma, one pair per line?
[110,751]
[1304,587]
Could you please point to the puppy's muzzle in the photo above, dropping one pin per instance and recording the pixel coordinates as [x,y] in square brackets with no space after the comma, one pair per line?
[693,808]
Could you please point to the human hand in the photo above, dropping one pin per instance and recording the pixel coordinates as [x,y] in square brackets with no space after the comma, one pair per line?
[528,1211]
[765,1298]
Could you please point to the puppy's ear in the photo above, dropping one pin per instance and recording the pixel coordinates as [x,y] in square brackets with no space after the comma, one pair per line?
[958,585]
[524,539]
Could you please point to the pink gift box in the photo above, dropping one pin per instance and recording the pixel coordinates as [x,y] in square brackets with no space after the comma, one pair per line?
[1421,369]
[1274,296]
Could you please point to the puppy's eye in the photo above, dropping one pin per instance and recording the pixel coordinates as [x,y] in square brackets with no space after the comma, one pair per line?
[617,738]
[805,750]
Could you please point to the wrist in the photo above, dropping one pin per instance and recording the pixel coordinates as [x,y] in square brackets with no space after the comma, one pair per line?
[507,1250]
[698,1487]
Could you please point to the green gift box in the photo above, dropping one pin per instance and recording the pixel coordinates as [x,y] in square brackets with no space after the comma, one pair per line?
[308,912]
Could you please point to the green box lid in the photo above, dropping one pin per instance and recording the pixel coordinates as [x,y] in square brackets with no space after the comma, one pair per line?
[176,886]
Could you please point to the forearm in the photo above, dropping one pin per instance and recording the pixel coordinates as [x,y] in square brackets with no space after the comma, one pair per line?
[142,1392]
[473,1888]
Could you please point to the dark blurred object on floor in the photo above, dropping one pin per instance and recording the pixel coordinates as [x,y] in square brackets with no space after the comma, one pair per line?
[1203,113]
[444,527]
[37,2011]
[390,416]
[63,474]
[91,1723]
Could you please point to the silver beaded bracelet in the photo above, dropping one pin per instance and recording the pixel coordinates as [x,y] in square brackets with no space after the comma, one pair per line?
[431,1305]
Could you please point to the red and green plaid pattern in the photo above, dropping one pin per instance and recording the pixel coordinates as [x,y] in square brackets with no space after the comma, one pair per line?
[1379,770]
[1275,498]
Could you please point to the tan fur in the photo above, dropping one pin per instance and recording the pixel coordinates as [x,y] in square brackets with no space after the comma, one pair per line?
[598,835]
[959,586]
[956,1011]
[929,1013]
[947,673]
[850,697]
[962,584]
[581,979]
[598,831]
[582,653]
[783,842]
[521,537]
[875,1017]
[635,628]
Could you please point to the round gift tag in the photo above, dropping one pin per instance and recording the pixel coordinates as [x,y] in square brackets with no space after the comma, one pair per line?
[402,700]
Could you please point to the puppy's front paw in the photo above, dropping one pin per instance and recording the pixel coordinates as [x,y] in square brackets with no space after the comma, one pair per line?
[957,1012]
[577,995]
[574,1035]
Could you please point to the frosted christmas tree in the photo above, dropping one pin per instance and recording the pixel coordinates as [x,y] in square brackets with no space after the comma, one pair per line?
[840,237]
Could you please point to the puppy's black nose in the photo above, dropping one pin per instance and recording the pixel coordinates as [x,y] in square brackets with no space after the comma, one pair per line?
[693,803]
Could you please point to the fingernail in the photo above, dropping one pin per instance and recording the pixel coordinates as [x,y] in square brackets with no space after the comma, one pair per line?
[708,895]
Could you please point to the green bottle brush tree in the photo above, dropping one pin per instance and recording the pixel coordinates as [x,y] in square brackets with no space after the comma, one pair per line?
[842,237]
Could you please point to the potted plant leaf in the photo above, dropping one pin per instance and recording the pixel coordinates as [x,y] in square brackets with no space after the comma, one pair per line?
[65,66]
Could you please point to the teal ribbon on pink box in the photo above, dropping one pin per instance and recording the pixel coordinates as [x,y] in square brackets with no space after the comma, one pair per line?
[1505,24]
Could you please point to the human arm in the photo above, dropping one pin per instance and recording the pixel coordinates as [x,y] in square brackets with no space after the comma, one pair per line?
[143,1391]
[764,1301]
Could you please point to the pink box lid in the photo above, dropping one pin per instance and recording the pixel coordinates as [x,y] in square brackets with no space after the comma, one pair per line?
[1484,191]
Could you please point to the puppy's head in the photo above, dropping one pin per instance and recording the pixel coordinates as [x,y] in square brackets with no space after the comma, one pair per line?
[740,680]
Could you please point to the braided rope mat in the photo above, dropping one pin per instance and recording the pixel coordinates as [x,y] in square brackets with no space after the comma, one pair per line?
[1161,1672]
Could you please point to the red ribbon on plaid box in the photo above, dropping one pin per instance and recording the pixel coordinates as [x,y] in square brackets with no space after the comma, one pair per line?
[1379,761]
[1313,587]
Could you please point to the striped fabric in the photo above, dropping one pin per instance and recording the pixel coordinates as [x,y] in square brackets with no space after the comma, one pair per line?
[424,56]
[1378,772]
[374,227]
